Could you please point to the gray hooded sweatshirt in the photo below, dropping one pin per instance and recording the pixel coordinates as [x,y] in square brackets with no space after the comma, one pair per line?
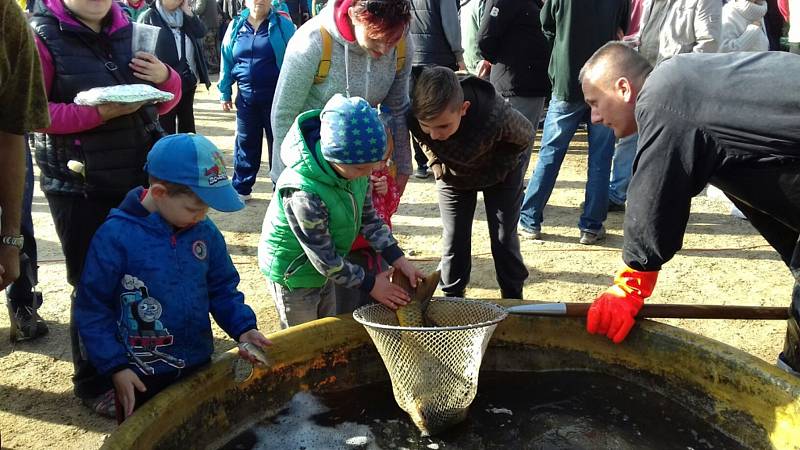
[353,73]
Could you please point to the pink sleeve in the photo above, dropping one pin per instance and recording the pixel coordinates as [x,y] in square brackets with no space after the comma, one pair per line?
[68,118]
[783,7]
[173,85]
[65,118]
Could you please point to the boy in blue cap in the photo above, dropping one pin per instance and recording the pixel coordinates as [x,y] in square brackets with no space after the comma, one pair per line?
[320,206]
[155,270]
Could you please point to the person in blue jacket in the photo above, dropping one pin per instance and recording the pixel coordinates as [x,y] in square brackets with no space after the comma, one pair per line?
[155,270]
[252,55]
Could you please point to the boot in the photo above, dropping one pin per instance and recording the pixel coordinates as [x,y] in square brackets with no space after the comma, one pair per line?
[25,321]
[789,359]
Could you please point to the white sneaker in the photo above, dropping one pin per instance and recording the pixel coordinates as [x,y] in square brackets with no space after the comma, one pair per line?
[529,233]
[245,198]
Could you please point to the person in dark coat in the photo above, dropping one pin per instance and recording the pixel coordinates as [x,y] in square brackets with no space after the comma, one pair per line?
[511,39]
[180,45]
[436,34]
[693,131]
[208,13]
[298,11]
[773,23]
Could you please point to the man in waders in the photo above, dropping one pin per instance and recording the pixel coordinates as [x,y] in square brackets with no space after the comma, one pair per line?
[729,120]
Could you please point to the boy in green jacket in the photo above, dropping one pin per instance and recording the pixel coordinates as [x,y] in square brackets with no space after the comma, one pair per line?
[320,206]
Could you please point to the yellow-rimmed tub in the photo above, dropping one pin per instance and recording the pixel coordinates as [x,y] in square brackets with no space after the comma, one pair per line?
[741,395]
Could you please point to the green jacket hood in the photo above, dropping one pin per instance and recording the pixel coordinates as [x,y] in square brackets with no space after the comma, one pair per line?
[304,134]
[281,257]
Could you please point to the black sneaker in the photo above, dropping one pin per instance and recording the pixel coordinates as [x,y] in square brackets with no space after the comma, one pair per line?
[593,237]
[421,172]
[616,207]
[26,324]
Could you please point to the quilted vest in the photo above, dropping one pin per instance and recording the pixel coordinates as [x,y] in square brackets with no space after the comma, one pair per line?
[430,43]
[114,153]
[282,258]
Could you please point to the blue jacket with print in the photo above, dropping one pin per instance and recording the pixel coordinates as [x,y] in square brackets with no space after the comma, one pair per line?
[146,292]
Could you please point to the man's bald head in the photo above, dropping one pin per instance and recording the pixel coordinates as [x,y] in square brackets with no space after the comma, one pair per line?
[611,81]
[615,60]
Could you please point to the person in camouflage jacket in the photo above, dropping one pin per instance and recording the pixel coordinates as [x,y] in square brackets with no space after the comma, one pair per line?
[321,205]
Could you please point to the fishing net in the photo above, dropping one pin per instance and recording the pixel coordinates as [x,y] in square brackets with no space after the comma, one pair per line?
[434,369]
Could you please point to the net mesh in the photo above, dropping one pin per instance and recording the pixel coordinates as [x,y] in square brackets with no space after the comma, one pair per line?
[434,370]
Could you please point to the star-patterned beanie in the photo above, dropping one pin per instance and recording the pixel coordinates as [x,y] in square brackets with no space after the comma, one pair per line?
[351,131]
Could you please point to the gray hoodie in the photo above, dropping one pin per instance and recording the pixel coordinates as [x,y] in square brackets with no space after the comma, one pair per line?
[353,73]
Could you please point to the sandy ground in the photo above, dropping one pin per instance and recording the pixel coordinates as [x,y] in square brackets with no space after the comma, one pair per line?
[724,261]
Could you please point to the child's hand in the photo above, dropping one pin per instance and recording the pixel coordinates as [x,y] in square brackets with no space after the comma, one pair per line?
[387,293]
[124,383]
[379,184]
[253,338]
[409,270]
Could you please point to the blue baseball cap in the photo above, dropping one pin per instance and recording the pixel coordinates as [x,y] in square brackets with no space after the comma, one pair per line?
[194,161]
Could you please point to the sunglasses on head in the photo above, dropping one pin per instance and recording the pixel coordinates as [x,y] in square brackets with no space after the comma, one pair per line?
[383,8]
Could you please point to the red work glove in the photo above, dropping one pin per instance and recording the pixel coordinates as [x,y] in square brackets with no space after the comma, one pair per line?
[613,312]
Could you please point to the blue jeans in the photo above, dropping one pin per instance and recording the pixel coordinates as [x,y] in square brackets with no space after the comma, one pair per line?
[560,124]
[622,168]
[252,122]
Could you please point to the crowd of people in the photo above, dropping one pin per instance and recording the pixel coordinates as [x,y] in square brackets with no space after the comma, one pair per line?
[347,94]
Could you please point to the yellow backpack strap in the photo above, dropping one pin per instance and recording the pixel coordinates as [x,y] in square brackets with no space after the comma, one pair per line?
[324,62]
[401,55]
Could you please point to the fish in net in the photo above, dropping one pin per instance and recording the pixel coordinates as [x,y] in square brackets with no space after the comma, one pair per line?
[432,350]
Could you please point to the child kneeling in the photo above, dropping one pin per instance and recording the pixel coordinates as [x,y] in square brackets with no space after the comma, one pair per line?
[320,206]
[155,270]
